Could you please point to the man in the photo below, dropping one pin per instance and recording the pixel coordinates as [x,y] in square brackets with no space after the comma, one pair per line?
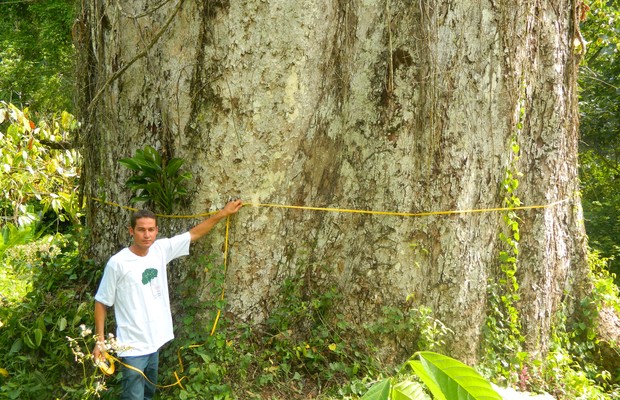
[135,283]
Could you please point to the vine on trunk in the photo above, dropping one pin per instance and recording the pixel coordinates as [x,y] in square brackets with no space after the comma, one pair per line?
[504,354]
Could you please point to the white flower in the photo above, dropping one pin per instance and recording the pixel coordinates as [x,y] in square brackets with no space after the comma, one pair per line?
[85,331]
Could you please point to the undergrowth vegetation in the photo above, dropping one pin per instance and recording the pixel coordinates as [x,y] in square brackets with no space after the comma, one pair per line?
[35,358]
[306,348]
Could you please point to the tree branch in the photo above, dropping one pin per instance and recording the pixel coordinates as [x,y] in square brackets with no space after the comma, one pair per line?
[136,58]
[64,145]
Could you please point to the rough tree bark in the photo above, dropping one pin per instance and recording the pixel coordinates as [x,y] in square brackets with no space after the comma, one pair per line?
[392,105]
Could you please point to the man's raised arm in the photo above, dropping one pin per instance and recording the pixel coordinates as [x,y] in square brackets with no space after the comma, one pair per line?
[204,227]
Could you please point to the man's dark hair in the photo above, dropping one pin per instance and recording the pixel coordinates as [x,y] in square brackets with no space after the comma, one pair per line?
[142,214]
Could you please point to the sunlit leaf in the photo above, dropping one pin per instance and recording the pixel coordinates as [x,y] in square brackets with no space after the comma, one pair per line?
[456,380]
[38,337]
[409,390]
[379,391]
[421,373]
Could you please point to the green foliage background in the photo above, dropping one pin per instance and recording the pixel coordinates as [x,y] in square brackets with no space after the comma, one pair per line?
[599,104]
[36,54]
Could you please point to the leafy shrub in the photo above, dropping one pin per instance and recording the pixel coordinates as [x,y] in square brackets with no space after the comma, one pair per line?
[35,354]
[411,328]
[157,180]
[304,346]
[38,174]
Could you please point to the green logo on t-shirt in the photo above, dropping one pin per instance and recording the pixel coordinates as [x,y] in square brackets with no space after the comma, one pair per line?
[148,275]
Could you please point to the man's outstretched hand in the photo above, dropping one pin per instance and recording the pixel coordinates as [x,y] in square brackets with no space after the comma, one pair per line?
[232,207]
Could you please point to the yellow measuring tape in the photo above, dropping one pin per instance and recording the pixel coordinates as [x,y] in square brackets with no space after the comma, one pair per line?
[109,366]
[405,214]
[351,211]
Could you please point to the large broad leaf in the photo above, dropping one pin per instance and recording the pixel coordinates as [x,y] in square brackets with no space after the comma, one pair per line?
[173,166]
[140,199]
[378,391]
[13,236]
[456,380]
[129,163]
[409,390]
[152,155]
[140,164]
[137,182]
[430,383]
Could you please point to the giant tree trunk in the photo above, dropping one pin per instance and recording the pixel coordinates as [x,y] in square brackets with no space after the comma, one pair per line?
[389,105]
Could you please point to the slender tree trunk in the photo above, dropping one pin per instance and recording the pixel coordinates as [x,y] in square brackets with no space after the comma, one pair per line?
[390,105]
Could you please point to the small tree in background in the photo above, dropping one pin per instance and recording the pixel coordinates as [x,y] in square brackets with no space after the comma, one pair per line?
[599,81]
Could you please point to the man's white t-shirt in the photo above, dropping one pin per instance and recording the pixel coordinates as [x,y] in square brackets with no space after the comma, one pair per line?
[137,287]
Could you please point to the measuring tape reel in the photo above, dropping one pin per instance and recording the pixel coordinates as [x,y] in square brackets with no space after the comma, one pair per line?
[106,365]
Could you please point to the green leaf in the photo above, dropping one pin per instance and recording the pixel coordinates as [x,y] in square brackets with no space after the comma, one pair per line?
[173,166]
[430,383]
[137,182]
[61,324]
[147,166]
[150,154]
[139,199]
[409,390]
[13,131]
[28,341]
[456,380]
[16,347]
[129,163]
[38,337]
[378,391]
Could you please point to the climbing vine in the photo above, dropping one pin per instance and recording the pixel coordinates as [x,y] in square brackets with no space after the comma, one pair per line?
[503,337]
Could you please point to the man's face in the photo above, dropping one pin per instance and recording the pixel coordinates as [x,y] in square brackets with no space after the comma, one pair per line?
[144,233]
